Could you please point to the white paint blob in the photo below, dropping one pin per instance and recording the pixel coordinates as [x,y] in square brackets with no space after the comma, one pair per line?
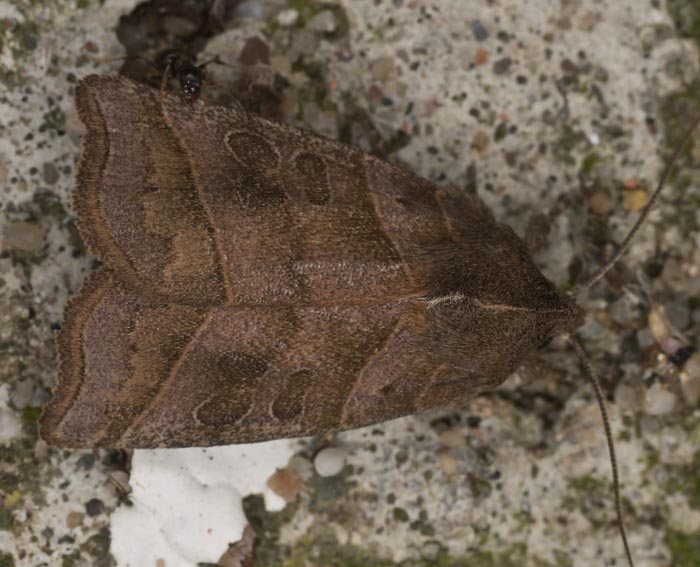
[187,502]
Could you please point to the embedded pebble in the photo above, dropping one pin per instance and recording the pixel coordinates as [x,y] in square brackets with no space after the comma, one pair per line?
[479,31]
[678,314]
[431,551]
[453,438]
[635,200]
[24,236]
[601,203]
[281,65]
[645,338]
[10,427]
[481,57]
[23,394]
[179,26]
[285,483]
[287,17]
[627,398]
[674,277]
[323,22]
[255,51]
[95,507]
[660,325]
[684,518]
[625,312]
[252,9]
[502,66]
[659,401]
[329,461]
[74,519]
[382,68]
[447,463]
[480,141]
[690,380]
[50,173]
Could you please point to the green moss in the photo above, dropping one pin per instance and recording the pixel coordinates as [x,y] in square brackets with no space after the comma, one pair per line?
[684,548]
[54,119]
[7,520]
[686,16]
[523,519]
[97,547]
[306,8]
[399,515]
[586,483]
[685,479]
[423,525]
[591,496]
[30,421]
[6,560]
[72,560]
[478,486]
[325,551]
[401,457]
[676,112]
[587,166]
[567,142]
[399,139]
[651,459]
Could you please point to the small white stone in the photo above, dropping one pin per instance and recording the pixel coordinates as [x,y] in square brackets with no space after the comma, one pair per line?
[287,17]
[627,398]
[330,461]
[323,22]
[659,400]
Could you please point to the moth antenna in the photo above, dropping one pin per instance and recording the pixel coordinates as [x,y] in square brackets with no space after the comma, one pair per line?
[598,274]
[590,374]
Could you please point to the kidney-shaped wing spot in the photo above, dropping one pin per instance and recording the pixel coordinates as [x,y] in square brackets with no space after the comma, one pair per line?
[233,380]
[252,150]
[288,404]
[258,185]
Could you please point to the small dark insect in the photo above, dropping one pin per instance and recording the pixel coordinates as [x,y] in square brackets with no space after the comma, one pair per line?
[174,63]
[192,77]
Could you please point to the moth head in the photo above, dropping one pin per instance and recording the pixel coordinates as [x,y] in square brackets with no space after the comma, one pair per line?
[567,321]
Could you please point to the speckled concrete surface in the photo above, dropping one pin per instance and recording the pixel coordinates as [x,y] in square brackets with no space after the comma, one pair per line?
[559,115]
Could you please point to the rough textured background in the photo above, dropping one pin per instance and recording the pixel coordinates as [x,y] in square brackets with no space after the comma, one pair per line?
[559,115]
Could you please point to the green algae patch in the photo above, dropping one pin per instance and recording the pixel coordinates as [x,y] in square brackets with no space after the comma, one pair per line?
[684,548]
[685,479]
[324,550]
[686,17]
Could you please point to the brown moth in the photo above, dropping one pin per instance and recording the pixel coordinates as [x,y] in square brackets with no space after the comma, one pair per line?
[263,282]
